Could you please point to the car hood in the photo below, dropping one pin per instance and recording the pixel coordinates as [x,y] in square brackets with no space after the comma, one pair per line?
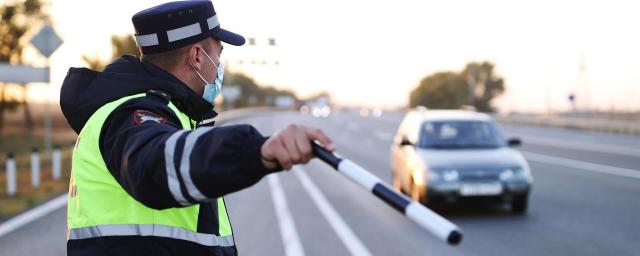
[502,157]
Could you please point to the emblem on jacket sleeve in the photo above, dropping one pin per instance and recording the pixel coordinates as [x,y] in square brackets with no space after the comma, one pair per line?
[142,116]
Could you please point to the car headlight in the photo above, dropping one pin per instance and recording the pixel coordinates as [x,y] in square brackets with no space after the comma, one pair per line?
[507,174]
[450,175]
[511,173]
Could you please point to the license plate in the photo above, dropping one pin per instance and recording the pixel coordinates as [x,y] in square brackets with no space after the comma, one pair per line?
[481,189]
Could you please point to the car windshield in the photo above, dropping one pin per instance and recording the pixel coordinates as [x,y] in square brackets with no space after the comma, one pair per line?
[460,134]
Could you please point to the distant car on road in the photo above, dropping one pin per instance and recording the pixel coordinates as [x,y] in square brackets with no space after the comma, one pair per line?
[448,156]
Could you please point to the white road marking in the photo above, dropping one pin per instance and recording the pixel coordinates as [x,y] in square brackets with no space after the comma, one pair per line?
[587,166]
[288,232]
[578,145]
[349,239]
[32,215]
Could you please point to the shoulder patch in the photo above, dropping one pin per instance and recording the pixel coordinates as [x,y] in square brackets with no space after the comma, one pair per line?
[143,116]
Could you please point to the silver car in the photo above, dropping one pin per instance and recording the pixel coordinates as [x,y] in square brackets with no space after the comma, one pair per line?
[448,156]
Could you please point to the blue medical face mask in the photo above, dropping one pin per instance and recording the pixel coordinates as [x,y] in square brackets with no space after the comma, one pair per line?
[211,91]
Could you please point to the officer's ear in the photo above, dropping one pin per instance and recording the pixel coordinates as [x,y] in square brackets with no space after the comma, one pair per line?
[195,56]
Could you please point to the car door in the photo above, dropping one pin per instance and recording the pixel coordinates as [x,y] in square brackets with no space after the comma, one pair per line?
[396,153]
[401,155]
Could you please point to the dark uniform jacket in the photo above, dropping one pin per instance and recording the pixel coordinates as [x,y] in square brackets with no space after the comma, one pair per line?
[224,159]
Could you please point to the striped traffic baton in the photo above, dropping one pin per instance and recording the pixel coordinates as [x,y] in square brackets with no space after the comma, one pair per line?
[431,221]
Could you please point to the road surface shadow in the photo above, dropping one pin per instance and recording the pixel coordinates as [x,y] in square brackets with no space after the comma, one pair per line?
[476,210]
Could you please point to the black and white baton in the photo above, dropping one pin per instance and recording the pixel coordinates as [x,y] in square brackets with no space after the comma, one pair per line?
[434,223]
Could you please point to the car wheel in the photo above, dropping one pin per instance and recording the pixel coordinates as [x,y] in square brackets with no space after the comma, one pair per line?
[519,204]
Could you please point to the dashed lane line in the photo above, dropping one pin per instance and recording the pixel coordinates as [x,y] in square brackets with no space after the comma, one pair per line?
[288,232]
[344,232]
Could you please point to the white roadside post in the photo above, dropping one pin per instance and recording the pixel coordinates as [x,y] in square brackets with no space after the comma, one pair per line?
[11,175]
[35,168]
[56,161]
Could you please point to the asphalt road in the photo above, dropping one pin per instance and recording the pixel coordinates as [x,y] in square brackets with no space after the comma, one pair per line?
[580,204]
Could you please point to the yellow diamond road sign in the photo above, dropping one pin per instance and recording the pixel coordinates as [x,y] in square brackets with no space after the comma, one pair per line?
[46,41]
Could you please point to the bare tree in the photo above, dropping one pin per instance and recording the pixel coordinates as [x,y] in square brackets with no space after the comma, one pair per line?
[120,45]
[17,17]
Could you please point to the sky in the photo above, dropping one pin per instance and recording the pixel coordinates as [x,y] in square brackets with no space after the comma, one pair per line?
[375,52]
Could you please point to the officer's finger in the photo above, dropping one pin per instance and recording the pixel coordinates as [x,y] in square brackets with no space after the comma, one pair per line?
[316,134]
[281,155]
[304,146]
[291,146]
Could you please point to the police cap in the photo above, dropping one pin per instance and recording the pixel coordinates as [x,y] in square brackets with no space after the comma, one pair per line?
[176,24]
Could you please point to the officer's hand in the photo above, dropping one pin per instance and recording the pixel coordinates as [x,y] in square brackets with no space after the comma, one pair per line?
[292,146]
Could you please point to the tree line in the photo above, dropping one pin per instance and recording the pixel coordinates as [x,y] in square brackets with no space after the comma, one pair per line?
[476,85]
[17,17]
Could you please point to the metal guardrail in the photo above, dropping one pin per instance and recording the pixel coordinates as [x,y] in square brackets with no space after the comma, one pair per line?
[582,123]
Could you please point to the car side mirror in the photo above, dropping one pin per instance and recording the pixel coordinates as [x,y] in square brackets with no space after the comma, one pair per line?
[514,142]
[406,142]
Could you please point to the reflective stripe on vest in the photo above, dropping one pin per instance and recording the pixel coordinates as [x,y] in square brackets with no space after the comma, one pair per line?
[150,230]
[99,206]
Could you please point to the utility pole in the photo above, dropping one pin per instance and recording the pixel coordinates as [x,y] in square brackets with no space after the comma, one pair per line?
[46,41]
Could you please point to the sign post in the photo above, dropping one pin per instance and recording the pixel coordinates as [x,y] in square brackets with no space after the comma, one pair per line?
[47,42]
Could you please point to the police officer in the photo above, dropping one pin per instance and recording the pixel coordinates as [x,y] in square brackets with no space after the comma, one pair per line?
[149,171]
